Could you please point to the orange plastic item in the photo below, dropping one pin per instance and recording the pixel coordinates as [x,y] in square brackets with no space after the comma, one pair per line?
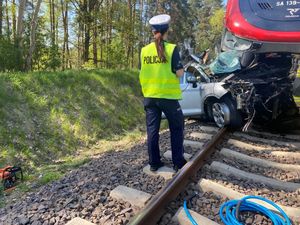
[4,172]
[10,175]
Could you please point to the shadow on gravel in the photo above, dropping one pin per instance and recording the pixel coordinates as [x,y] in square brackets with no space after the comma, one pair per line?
[289,125]
[84,192]
[251,188]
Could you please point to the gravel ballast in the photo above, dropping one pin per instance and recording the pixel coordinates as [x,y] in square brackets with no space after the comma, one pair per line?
[85,191]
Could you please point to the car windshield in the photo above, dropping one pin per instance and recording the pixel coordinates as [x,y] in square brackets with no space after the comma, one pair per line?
[226,62]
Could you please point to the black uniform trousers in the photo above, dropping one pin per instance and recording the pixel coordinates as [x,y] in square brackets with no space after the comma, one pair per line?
[172,110]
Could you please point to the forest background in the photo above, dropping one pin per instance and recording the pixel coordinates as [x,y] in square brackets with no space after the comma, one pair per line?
[69,86]
[78,34]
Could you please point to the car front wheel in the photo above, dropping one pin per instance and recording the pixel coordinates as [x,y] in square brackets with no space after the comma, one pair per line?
[224,113]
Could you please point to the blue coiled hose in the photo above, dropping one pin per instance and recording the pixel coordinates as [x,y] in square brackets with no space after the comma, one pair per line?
[229,211]
[188,214]
[232,209]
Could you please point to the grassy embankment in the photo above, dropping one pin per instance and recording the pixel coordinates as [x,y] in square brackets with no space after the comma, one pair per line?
[50,121]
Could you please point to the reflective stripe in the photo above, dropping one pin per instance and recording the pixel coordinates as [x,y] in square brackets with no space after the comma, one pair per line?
[297,99]
[154,81]
[170,93]
[296,88]
[160,86]
[164,91]
[296,85]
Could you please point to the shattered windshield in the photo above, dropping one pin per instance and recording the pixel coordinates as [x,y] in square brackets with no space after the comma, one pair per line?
[226,62]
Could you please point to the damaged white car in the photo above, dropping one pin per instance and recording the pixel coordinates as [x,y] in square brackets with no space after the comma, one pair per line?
[253,78]
[235,88]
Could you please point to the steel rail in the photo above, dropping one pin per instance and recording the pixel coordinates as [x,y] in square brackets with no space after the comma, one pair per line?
[153,211]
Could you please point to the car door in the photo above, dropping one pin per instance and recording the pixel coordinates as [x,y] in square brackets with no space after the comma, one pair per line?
[191,96]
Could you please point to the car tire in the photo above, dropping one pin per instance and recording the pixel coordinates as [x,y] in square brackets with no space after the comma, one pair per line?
[225,114]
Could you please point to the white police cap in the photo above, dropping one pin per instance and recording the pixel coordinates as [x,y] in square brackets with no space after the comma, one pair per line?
[160,22]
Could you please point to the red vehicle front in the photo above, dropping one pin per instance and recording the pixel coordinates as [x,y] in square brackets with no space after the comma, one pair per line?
[266,35]
[263,25]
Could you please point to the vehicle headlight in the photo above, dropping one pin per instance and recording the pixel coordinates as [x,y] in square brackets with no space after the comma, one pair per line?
[234,43]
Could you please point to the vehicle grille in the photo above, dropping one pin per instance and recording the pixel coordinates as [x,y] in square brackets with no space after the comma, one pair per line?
[265,5]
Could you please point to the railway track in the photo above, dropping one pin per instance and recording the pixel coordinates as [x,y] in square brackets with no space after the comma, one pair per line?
[257,164]
[118,188]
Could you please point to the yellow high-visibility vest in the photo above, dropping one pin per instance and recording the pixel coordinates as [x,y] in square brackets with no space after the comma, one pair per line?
[156,78]
[297,87]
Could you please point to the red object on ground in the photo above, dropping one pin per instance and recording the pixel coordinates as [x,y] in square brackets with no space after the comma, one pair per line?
[9,176]
[4,172]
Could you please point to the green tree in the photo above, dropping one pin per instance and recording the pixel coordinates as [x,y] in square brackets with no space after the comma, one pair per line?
[204,29]
[10,56]
[105,33]
[216,25]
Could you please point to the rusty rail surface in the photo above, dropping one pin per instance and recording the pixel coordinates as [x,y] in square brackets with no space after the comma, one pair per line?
[156,207]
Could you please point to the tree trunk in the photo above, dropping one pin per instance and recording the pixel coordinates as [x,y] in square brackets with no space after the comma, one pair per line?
[50,17]
[32,35]
[87,38]
[95,34]
[66,39]
[7,19]
[20,24]
[106,36]
[141,37]
[79,44]
[64,42]
[156,6]
[101,46]
[52,22]
[66,52]
[1,17]
[110,28]
[129,33]
[55,22]
[133,33]
[14,20]
[86,31]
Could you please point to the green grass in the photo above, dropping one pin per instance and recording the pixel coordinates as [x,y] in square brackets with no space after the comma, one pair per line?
[46,116]
[50,172]
[50,176]
[54,122]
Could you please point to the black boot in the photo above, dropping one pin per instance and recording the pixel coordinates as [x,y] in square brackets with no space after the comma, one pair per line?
[176,167]
[155,167]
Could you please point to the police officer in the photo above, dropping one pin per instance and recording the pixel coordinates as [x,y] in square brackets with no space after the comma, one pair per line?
[161,69]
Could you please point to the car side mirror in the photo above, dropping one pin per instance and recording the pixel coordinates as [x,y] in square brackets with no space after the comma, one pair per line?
[192,80]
